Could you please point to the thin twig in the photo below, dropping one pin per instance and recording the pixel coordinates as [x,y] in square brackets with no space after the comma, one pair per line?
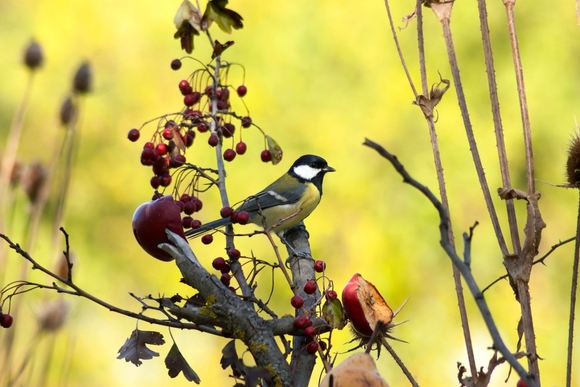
[498,343]
[573,302]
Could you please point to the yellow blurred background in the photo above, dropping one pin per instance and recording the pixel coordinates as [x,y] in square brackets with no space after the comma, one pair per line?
[321,77]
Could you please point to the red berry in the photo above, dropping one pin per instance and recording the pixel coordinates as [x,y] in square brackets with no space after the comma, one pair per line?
[177,161]
[189,207]
[192,98]
[246,122]
[234,216]
[175,64]
[222,105]
[6,321]
[185,198]
[225,279]
[149,145]
[133,135]
[186,221]
[234,253]
[195,224]
[521,383]
[228,130]
[241,148]
[300,322]
[309,323]
[180,204]
[198,203]
[165,180]
[224,94]
[206,239]
[187,90]
[226,212]
[266,155]
[147,154]
[319,266]
[183,85]
[161,148]
[229,154]
[202,128]
[309,331]
[155,182]
[242,90]
[297,302]
[168,134]
[331,294]
[209,89]
[220,264]
[243,217]
[312,348]
[213,140]
[309,287]
[189,137]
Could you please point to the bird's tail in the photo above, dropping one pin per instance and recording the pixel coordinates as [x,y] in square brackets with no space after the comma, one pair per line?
[207,227]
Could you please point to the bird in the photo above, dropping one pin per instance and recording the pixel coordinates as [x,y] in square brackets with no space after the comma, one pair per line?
[297,192]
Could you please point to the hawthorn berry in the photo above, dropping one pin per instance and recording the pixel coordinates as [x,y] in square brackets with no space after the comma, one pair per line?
[229,154]
[310,287]
[155,182]
[224,94]
[234,216]
[183,85]
[222,105]
[242,90]
[165,180]
[309,331]
[246,122]
[133,135]
[180,204]
[168,134]
[190,99]
[226,212]
[213,140]
[178,161]
[186,221]
[198,203]
[189,207]
[219,264]
[175,64]
[243,217]
[319,266]
[185,198]
[241,148]
[6,321]
[225,279]
[149,145]
[228,130]
[189,136]
[300,322]
[266,155]
[297,302]
[521,383]
[161,148]
[312,348]
[147,154]
[234,253]
[195,224]
[207,239]
[331,294]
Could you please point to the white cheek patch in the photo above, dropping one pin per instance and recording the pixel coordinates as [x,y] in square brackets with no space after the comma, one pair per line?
[278,196]
[306,172]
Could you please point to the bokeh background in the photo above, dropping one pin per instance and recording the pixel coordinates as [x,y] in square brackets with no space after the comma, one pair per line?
[321,77]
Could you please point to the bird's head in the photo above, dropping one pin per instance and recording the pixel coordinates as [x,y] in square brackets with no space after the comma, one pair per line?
[310,168]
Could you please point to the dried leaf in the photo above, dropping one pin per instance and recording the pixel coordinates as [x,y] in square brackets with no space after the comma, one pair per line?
[135,348]
[511,193]
[333,313]
[187,21]
[274,149]
[408,18]
[254,374]
[176,363]
[435,95]
[230,359]
[219,48]
[226,19]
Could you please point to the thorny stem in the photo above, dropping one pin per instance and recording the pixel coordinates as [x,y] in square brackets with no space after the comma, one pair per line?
[439,171]
[499,137]
[509,6]
[573,302]
[399,362]
[498,343]
[469,130]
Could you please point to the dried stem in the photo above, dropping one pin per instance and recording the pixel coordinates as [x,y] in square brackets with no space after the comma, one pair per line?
[399,362]
[573,302]
[499,137]
[498,343]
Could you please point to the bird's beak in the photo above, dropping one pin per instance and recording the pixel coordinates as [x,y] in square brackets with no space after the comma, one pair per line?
[329,169]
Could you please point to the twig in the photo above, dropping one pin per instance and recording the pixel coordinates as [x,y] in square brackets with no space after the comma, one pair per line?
[569,361]
[399,362]
[498,343]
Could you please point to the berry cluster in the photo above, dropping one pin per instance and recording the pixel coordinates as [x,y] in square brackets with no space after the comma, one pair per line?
[302,322]
[189,205]
[224,266]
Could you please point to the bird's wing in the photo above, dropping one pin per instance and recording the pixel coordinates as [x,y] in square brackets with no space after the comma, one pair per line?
[270,197]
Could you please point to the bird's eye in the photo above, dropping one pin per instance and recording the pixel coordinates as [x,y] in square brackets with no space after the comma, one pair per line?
[313,165]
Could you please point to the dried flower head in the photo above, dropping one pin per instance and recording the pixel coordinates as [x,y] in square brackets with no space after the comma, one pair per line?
[83,79]
[33,178]
[67,110]
[573,163]
[52,315]
[33,56]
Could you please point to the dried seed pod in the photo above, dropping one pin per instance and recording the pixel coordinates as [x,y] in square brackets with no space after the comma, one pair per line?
[83,79]
[33,56]
[67,110]
[33,179]
[573,163]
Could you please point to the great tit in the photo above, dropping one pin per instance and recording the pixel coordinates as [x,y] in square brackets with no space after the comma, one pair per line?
[300,189]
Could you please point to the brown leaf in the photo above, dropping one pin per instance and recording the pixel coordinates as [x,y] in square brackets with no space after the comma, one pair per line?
[218,48]
[135,348]
[176,363]
[408,18]
[511,193]
[435,95]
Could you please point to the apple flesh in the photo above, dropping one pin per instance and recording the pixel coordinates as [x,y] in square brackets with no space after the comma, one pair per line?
[150,221]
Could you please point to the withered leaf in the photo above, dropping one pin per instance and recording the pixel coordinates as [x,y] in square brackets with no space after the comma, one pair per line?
[511,193]
[435,95]
[274,149]
[218,48]
[225,18]
[408,18]
[196,300]
[185,33]
[254,374]
[230,359]
[176,363]
[135,348]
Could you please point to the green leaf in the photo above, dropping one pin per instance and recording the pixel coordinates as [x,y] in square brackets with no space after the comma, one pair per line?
[225,18]
[333,313]
[274,149]
[176,363]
